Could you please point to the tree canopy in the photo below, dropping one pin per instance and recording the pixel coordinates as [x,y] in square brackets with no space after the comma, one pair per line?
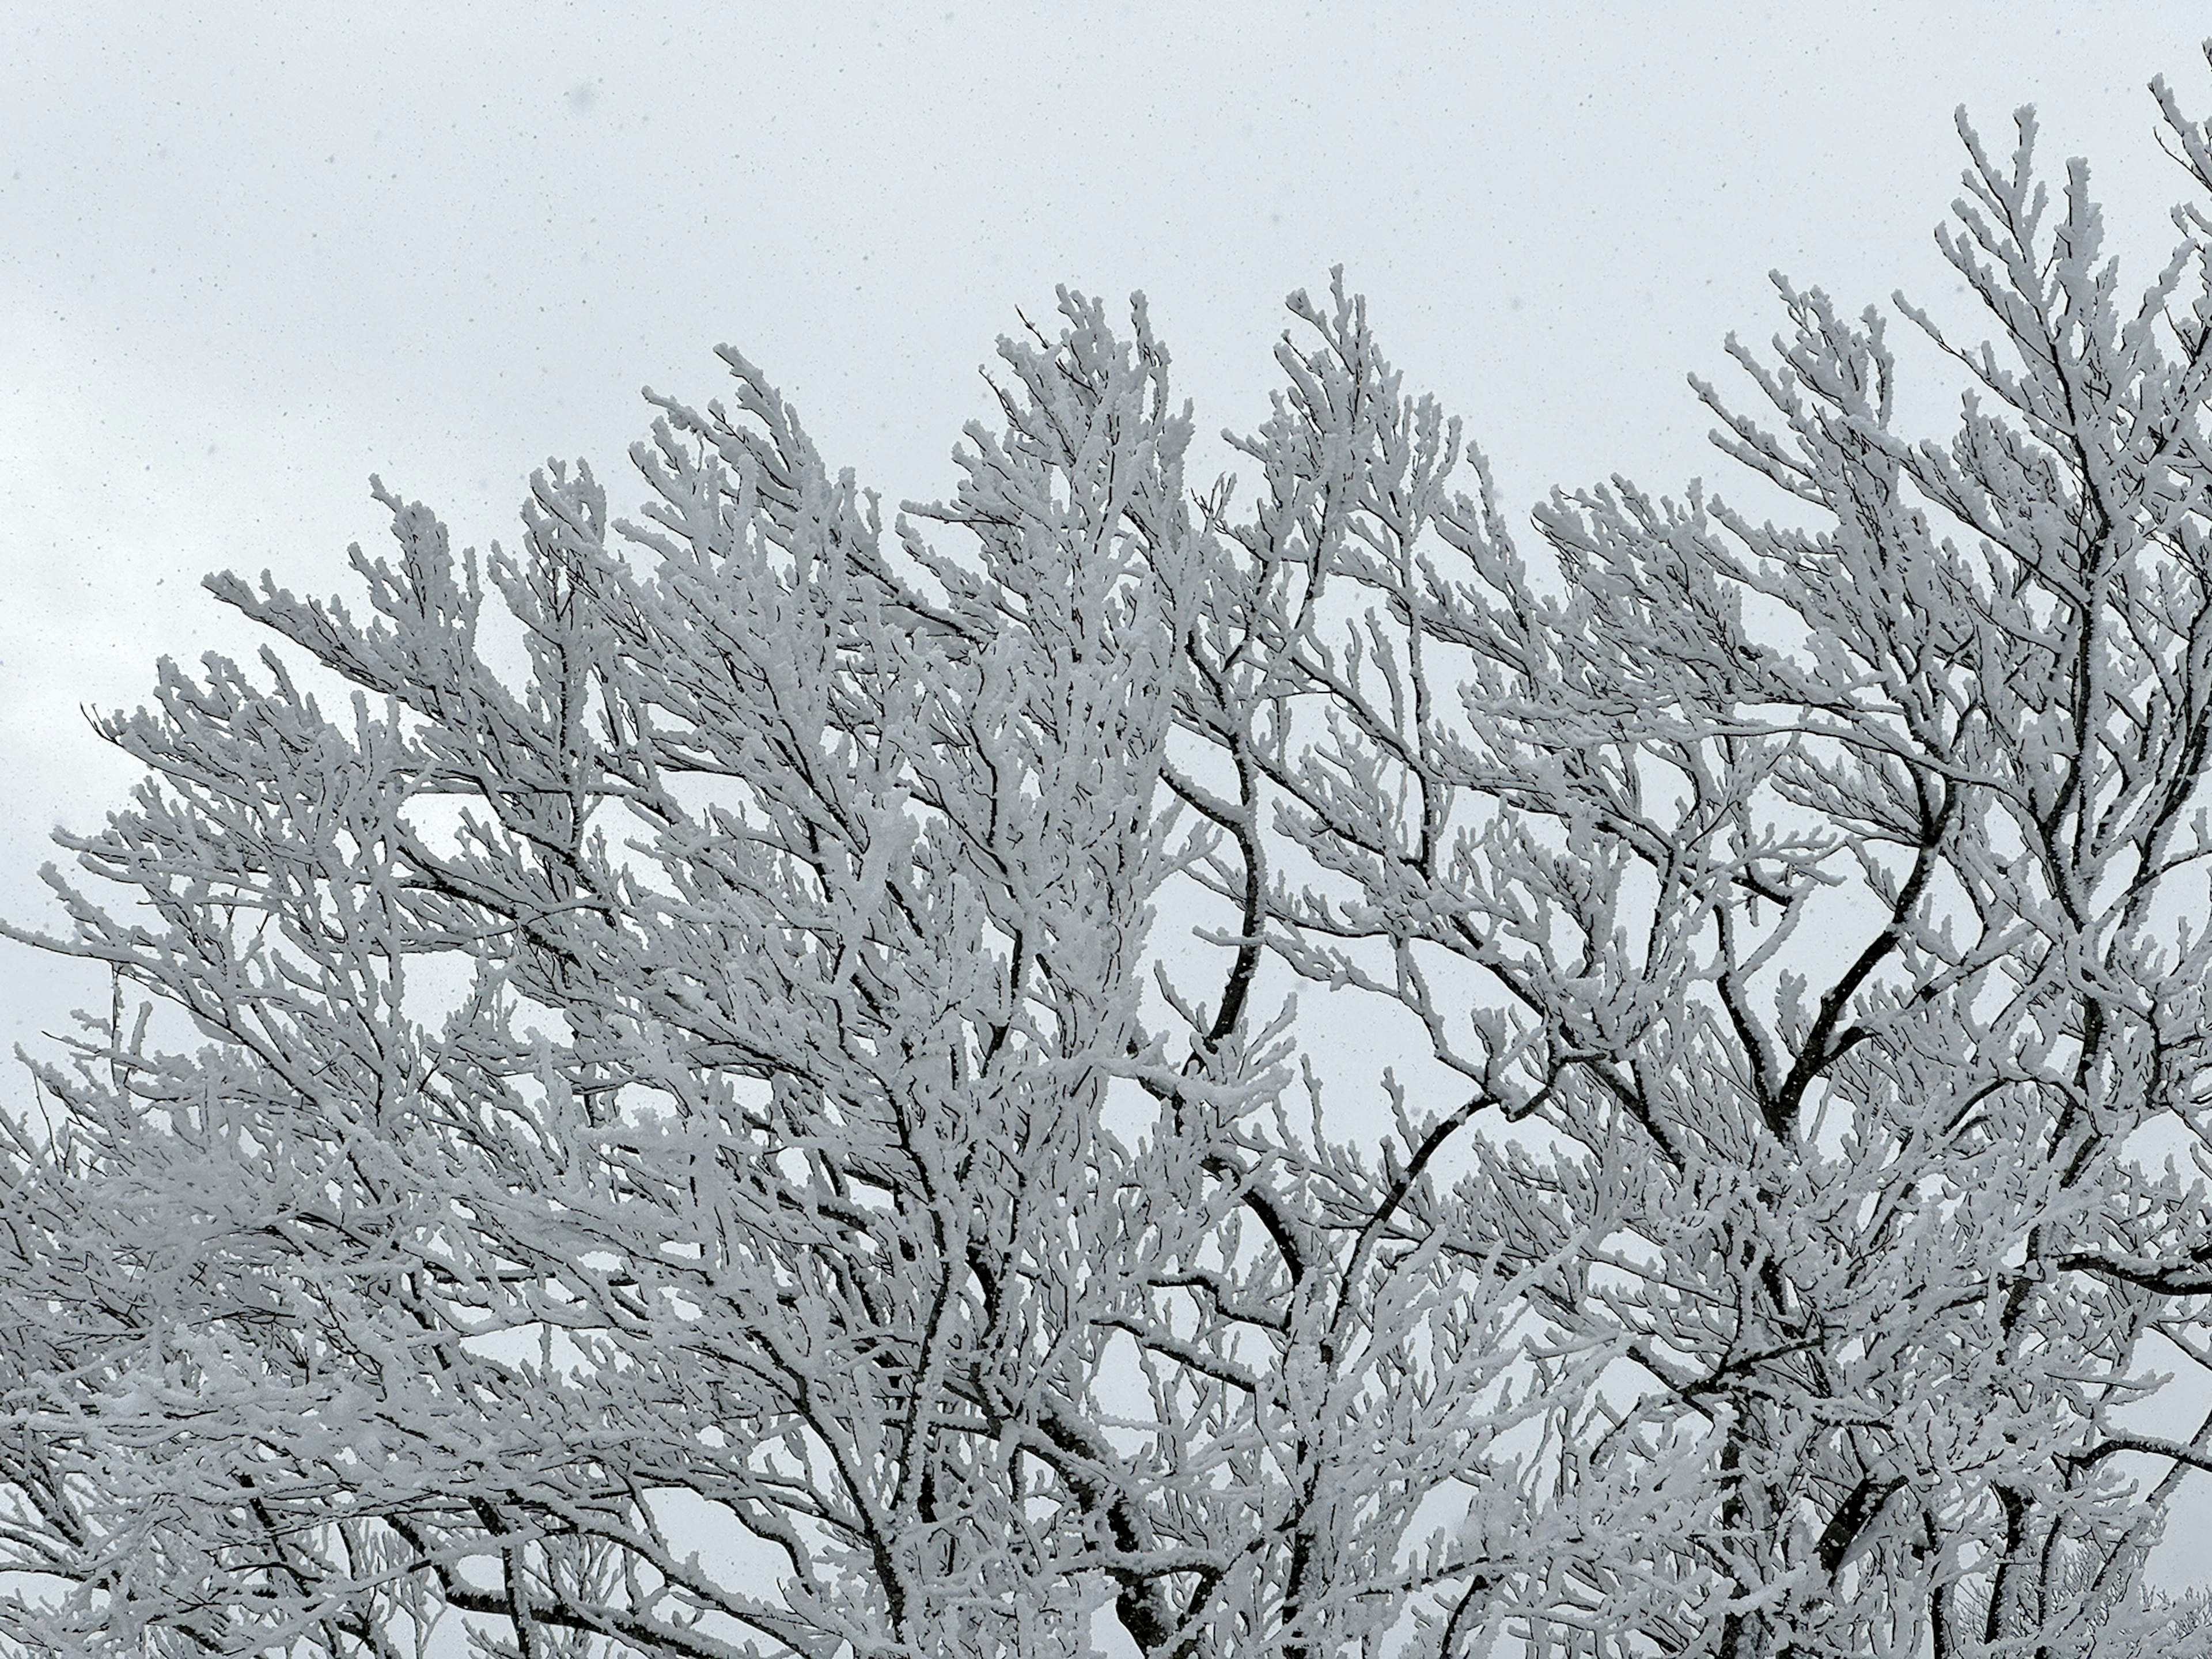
[772,1123]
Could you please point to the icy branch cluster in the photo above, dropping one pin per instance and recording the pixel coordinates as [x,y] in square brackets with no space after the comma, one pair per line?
[862,1189]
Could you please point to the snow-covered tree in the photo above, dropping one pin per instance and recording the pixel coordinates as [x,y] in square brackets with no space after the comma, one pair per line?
[778,1126]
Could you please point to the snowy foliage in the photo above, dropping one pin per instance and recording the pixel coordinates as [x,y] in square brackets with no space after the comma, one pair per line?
[857,1199]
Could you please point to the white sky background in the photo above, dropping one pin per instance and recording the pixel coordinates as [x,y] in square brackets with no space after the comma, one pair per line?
[245,262]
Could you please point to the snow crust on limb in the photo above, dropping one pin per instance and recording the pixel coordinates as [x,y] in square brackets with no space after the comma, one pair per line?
[839,1215]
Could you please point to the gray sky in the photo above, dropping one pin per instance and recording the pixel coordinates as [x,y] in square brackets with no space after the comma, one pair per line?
[245,262]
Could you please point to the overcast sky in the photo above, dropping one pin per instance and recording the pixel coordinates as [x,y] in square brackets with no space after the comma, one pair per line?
[244,262]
